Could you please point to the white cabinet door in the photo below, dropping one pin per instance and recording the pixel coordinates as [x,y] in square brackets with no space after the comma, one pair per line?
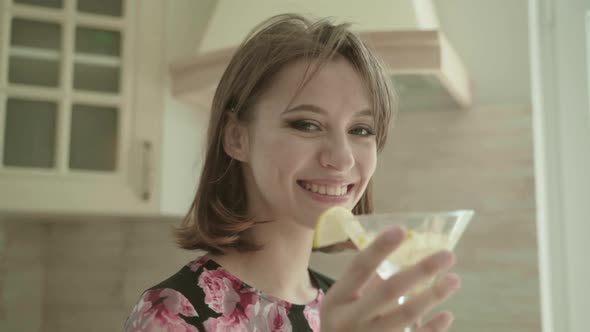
[81,107]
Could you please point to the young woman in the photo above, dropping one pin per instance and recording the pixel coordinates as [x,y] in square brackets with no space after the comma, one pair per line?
[296,124]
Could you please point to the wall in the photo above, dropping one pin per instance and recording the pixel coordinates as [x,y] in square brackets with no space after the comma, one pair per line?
[22,276]
[72,276]
[481,159]
[184,126]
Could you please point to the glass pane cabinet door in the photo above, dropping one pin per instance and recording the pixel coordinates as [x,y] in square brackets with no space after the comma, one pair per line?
[97,68]
[70,141]
[102,7]
[34,52]
[62,87]
[29,137]
[94,138]
[97,60]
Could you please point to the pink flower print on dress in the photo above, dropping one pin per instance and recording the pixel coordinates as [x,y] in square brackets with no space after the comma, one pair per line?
[242,317]
[220,290]
[197,263]
[230,323]
[249,302]
[158,310]
[312,315]
[273,318]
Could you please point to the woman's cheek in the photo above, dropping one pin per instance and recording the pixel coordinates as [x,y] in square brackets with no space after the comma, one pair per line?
[293,148]
[366,157]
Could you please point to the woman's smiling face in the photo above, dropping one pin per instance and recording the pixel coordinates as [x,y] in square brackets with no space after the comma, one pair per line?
[318,151]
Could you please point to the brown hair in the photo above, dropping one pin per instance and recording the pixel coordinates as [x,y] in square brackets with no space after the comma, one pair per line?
[218,217]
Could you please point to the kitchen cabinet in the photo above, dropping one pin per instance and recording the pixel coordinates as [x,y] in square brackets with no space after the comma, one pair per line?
[82,111]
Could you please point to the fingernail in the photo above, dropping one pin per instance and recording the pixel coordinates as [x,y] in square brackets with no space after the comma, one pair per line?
[451,318]
[450,282]
[445,255]
[394,234]
[447,317]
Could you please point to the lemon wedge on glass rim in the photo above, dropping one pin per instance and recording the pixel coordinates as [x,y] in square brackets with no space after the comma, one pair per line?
[331,227]
[337,224]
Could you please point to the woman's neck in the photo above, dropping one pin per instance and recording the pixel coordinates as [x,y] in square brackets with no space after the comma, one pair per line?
[280,268]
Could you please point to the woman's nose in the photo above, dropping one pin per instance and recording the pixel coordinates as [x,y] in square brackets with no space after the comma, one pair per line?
[337,154]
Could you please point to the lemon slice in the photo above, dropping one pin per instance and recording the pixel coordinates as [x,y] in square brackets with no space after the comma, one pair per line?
[338,224]
[409,234]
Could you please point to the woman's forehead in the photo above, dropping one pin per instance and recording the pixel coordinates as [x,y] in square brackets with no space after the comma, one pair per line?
[336,85]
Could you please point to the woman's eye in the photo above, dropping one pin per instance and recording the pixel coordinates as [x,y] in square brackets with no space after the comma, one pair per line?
[304,125]
[362,131]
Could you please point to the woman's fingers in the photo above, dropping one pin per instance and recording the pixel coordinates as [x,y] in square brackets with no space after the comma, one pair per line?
[374,281]
[353,302]
[364,265]
[379,300]
[439,323]
[419,305]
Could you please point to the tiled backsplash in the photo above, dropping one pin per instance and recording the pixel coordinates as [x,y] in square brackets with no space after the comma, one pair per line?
[72,276]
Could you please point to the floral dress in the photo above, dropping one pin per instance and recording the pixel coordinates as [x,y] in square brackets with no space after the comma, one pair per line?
[203,296]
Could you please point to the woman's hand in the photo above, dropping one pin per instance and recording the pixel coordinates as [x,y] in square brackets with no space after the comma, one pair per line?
[356,304]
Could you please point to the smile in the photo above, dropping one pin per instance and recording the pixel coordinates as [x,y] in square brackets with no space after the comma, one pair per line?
[324,189]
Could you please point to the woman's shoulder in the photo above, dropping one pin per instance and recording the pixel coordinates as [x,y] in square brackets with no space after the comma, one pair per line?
[174,304]
[162,309]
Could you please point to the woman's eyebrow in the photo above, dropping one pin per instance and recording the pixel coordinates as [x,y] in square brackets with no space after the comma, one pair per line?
[319,110]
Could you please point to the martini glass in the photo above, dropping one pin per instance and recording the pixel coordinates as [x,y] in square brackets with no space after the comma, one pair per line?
[428,233]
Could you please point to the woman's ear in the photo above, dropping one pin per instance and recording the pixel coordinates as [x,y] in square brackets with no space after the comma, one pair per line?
[235,138]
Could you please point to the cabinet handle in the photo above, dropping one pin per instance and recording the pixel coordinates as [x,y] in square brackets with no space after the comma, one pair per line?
[146,171]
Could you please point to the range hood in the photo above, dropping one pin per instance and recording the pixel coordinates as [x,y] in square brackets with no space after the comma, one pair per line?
[427,72]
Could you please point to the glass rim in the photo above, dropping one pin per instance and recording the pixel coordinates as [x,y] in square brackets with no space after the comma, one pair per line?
[461,213]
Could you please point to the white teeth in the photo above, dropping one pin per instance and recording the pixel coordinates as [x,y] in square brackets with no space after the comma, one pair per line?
[343,190]
[326,190]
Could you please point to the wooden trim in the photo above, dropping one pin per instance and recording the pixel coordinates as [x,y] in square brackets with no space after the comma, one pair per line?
[454,75]
[404,52]
[423,52]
